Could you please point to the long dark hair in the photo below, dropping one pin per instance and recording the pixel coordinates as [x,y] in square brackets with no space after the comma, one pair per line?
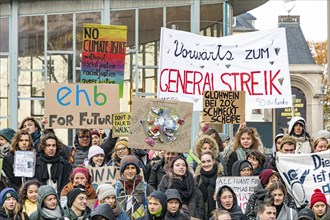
[24,188]
[170,174]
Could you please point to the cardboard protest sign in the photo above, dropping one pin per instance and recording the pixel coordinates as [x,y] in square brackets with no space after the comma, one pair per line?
[24,163]
[105,174]
[224,107]
[80,105]
[160,124]
[255,62]
[121,124]
[302,173]
[243,186]
[103,54]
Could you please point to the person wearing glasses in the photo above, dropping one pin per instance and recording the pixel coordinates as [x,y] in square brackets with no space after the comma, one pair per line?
[120,150]
[82,143]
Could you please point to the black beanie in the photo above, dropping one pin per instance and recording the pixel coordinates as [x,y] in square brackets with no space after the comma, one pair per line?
[73,194]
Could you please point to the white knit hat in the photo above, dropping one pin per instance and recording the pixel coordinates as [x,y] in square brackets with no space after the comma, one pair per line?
[105,190]
[94,150]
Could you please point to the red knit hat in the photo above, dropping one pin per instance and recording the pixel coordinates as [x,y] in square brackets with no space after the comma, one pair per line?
[265,175]
[80,170]
[318,196]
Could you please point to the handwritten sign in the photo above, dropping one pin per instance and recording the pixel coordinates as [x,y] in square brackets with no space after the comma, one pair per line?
[24,163]
[224,107]
[243,187]
[105,174]
[103,54]
[255,62]
[302,173]
[121,124]
[160,124]
[80,105]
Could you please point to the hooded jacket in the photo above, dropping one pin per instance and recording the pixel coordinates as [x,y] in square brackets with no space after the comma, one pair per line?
[235,211]
[163,201]
[174,194]
[287,213]
[104,210]
[253,203]
[119,212]
[237,165]
[304,144]
[40,214]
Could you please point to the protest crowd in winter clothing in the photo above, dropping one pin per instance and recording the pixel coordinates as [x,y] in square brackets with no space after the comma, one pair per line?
[162,185]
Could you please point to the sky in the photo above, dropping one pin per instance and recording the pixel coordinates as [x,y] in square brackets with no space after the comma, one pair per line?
[313,16]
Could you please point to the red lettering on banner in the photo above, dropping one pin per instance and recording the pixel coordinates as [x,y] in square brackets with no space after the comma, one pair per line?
[195,82]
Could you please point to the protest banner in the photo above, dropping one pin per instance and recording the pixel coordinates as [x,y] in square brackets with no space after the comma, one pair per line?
[24,163]
[121,124]
[105,174]
[80,105]
[302,173]
[255,62]
[243,186]
[224,107]
[103,54]
[160,124]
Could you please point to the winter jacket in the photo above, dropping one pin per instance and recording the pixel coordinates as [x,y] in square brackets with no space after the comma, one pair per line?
[36,139]
[8,168]
[70,215]
[43,192]
[90,191]
[287,213]
[174,194]
[161,197]
[253,203]
[326,216]
[119,212]
[235,211]
[65,170]
[156,174]
[195,204]
[29,207]
[10,216]
[304,144]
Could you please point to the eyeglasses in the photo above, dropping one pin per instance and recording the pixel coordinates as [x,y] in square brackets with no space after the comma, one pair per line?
[121,149]
[84,137]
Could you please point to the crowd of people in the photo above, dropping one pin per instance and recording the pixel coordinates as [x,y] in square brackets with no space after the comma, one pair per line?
[153,184]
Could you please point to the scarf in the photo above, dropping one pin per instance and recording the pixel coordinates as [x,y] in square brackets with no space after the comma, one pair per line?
[158,212]
[242,152]
[4,149]
[51,213]
[90,191]
[185,187]
[129,186]
[54,170]
[207,186]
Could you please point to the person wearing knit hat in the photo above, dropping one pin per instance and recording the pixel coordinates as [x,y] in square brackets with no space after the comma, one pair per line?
[174,203]
[106,193]
[76,207]
[6,135]
[267,178]
[288,144]
[9,206]
[306,214]
[157,206]
[242,168]
[95,156]
[319,205]
[297,130]
[96,139]
[120,150]
[48,204]
[80,178]
[131,189]
[104,212]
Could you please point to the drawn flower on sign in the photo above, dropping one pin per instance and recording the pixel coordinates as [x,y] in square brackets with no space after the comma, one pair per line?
[161,125]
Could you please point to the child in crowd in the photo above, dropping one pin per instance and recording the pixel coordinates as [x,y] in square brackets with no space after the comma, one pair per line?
[156,206]
[28,195]
[48,205]
[106,194]
[9,206]
[174,204]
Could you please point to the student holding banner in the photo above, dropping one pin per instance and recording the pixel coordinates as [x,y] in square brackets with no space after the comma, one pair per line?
[179,177]
[131,190]
[51,168]
[22,141]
